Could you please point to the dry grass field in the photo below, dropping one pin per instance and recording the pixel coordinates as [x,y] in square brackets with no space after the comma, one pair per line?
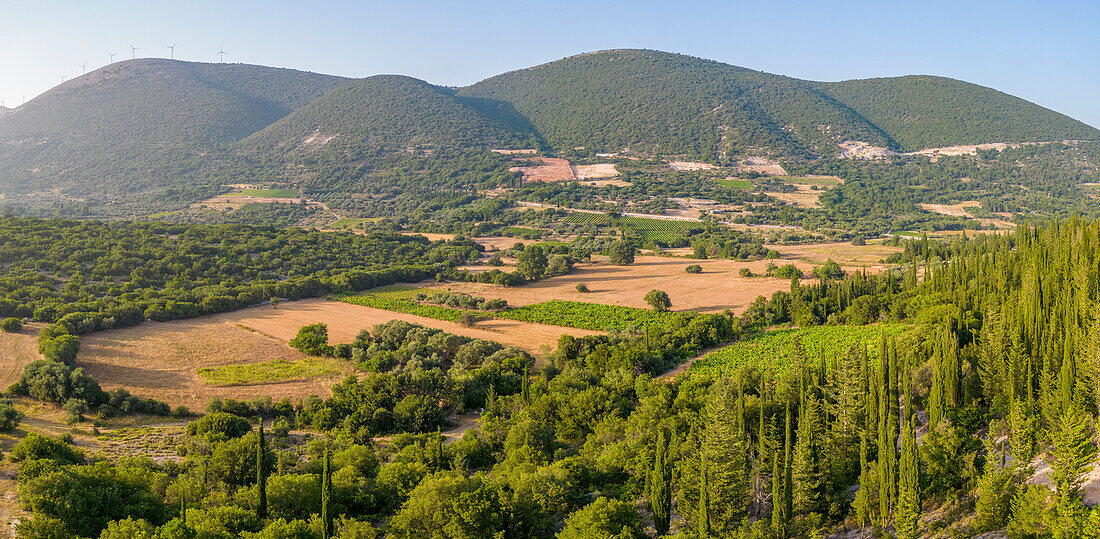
[719,286]
[593,172]
[843,253]
[550,169]
[161,359]
[16,351]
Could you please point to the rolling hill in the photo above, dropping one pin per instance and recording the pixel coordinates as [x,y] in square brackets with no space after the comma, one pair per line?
[170,131]
[391,112]
[671,103]
[136,123]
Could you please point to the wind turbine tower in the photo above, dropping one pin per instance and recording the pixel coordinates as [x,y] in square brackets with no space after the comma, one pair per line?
[83,69]
[133,51]
[221,54]
[172,50]
[112,56]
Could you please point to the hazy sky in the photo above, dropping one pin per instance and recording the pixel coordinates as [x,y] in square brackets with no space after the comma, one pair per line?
[1046,52]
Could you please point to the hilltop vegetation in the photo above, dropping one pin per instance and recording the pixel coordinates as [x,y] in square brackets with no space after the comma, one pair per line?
[920,112]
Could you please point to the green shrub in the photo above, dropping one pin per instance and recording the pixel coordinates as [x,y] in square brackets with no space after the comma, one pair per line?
[745,272]
[62,349]
[9,416]
[11,325]
[694,268]
[219,423]
[36,446]
[582,288]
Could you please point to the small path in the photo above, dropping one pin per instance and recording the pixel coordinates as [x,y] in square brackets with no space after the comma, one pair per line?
[679,369]
[465,423]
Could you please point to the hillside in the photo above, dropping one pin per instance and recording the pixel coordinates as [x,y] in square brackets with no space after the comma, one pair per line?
[671,103]
[388,112]
[926,112]
[136,124]
[4,111]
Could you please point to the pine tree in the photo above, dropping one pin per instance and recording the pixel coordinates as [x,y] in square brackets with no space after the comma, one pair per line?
[1073,452]
[261,474]
[659,485]
[726,450]
[907,520]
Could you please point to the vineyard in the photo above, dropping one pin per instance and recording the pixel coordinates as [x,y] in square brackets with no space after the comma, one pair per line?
[663,231]
[585,218]
[594,316]
[277,370]
[775,350]
[574,314]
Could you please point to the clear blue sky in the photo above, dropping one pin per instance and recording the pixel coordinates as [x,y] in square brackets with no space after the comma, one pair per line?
[1046,52]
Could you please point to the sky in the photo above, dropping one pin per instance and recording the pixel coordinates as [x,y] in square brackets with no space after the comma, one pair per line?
[1045,52]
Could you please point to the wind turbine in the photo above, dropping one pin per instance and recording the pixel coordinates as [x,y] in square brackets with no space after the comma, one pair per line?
[62,79]
[172,48]
[112,56]
[221,54]
[83,69]
[133,51]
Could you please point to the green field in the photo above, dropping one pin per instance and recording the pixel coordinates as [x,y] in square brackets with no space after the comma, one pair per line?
[348,222]
[266,372]
[401,300]
[735,184]
[584,218]
[266,193]
[658,230]
[774,350]
[522,232]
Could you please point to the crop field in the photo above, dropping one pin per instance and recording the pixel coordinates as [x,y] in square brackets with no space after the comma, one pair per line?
[658,230]
[774,350]
[348,222]
[264,193]
[822,181]
[843,253]
[584,218]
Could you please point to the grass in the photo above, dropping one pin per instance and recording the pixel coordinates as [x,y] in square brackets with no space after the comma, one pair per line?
[401,300]
[735,184]
[774,350]
[266,372]
[266,193]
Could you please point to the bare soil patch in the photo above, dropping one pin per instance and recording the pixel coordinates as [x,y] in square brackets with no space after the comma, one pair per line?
[431,236]
[804,196]
[527,151]
[719,286]
[954,210]
[689,165]
[550,169]
[592,172]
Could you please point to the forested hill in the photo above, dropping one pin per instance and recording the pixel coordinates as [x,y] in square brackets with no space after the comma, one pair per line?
[389,112]
[921,111]
[673,103]
[99,129]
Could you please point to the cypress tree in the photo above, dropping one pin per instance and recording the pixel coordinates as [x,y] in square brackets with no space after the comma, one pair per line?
[261,474]
[806,467]
[702,518]
[659,486]
[326,496]
[907,520]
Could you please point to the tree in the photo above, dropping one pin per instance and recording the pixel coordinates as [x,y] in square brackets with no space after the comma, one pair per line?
[9,416]
[261,474]
[621,253]
[453,505]
[659,300]
[604,517]
[807,471]
[532,263]
[312,340]
[1073,452]
[659,485]
[907,519]
[326,495]
[694,268]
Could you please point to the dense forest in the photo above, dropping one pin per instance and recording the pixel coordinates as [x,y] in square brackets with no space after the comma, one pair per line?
[937,430]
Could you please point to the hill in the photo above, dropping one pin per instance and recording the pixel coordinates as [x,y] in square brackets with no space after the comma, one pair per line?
[391,112]
[922,111]
[4,111]
[671,103]
[137,124]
